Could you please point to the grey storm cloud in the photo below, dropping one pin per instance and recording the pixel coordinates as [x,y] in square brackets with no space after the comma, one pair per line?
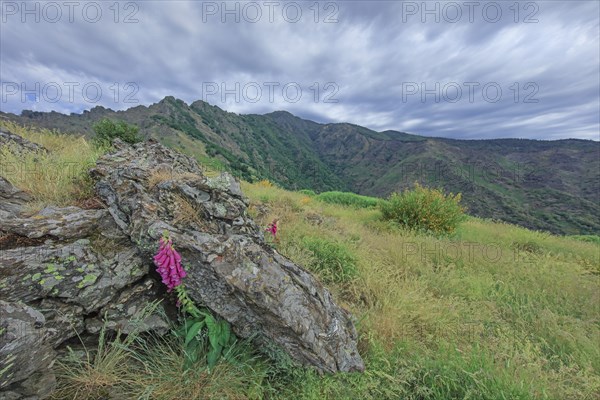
[465,69]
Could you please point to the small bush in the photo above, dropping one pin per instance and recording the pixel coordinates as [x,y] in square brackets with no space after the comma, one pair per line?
[424,209]
[348,199]
[307,192]
[587,238]
[332,261]
[108,130]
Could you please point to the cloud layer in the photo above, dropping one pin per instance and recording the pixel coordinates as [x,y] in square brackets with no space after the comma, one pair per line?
[452,69]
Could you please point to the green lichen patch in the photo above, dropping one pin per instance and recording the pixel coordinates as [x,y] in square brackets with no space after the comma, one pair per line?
[50,268]
[88,280]
[4,371]
[9,362]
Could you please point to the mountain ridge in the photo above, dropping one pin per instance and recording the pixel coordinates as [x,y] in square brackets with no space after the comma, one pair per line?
[548,185]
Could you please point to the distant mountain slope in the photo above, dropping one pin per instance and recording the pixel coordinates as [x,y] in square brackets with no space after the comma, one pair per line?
[549,185]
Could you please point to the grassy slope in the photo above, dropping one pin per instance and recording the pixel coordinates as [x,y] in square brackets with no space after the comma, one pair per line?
[494,312]
[58,177]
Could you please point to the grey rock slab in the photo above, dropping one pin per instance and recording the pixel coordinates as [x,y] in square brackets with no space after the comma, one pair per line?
[26,353]
[230,268]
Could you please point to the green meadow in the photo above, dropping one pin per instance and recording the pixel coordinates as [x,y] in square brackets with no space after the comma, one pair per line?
[488,311]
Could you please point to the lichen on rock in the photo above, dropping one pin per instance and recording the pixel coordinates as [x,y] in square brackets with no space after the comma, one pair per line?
[273,299]
[64,269]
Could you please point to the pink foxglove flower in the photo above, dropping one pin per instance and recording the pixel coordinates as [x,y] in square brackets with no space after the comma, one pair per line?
[272,228]
[168,264]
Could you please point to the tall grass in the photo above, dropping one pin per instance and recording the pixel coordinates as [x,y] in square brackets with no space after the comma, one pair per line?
[104,371]
[332,261]
[410,373]
[492,312]
[57,177]
[348,199]
[146,366]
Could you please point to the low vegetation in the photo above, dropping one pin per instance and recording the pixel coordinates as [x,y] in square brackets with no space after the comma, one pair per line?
[491,311]
[332,261]
[485,310]
[424,209]
[307,192]
[108,130]
[56,177]
[348,199]
[588,238]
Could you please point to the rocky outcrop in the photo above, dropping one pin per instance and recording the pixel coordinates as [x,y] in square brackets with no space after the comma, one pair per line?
[66,268]
[26,353]
[67,272]
[149,189]
[12,199]
[19,144]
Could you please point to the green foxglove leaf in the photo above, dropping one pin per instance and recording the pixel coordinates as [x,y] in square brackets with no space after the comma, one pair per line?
[213,356]
[213,331]
[193,331]
[225,333]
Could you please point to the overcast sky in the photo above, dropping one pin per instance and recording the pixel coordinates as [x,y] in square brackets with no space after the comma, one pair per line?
[454,69]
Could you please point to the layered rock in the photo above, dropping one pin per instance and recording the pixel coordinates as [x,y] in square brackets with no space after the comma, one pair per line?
[67,272]
[150,189]
[12,199]
[19,144]
[26,353]
[67,268]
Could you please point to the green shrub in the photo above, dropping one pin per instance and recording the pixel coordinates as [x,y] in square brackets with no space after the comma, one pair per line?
[307,192]
[587,238]
[333,261]
[348,199]
[424,209]
[108,130]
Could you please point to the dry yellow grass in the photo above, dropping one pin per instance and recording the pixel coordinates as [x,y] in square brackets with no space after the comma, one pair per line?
[160,175]
[187,212]
[527,297]
[58,177]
